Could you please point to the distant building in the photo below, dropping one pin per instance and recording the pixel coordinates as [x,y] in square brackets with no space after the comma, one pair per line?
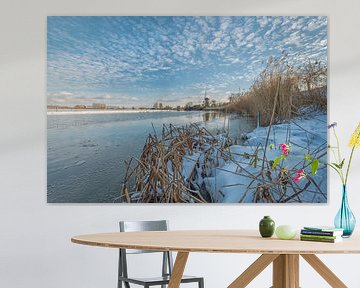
[99,105]
[79,107]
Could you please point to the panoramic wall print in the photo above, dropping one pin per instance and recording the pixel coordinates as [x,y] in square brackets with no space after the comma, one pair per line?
[186,109]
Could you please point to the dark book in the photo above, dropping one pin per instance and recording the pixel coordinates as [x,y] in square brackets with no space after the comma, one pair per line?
[321,233]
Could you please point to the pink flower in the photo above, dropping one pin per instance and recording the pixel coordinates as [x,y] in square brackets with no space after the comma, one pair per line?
[300,174]
[285,148]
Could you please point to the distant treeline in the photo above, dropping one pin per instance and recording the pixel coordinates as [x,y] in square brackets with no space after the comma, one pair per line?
[283,90]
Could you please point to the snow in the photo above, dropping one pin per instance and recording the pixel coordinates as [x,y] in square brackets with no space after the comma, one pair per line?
[237,176]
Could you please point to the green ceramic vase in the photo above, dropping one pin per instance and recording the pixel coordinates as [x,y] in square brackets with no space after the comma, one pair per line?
[267,227]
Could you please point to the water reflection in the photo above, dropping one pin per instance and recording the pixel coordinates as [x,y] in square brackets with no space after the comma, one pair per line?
[86,153]
[234,125]
[213,115]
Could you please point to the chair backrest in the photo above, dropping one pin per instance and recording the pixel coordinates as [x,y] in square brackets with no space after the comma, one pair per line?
[132,226]
[135,226]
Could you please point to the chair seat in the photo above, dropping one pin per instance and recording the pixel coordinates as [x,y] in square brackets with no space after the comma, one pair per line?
[158,280]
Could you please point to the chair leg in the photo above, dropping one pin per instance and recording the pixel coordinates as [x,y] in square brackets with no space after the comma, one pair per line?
[120,270]
[201,283]
[164,266]
[126,284]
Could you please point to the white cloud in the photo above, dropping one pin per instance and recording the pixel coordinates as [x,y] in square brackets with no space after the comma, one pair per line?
[323,42]
[84,99]
[250,36]
[263,21]
[293,39]
[208,49]
[61,94]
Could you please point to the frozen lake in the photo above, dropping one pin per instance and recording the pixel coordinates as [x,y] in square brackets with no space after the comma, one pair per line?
[86,151]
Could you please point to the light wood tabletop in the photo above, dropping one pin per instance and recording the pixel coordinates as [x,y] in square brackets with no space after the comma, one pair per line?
[221,241]
[284,254]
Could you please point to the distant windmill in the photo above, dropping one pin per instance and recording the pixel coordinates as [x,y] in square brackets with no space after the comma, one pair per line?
[206,100]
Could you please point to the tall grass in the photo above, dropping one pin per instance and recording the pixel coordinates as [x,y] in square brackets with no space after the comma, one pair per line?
[299,87]
[159,174]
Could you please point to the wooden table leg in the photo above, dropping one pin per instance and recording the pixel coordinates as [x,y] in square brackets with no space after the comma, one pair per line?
[286,271]
[324,271]
[253,270]
[178,270]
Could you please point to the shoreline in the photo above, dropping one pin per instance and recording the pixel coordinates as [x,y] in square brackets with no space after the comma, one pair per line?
[218,171]
[88,111]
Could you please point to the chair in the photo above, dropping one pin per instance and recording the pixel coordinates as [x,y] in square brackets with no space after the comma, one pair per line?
[167,265]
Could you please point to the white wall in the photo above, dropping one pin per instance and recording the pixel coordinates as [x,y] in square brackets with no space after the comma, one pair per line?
[35,248]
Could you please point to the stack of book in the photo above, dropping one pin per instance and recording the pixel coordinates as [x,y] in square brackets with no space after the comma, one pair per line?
[321,234]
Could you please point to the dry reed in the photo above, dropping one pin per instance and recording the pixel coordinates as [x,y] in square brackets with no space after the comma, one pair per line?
[300,87]
[159,174]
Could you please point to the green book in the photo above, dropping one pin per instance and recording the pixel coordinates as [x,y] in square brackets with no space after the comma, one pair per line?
[319,236]
[325,240]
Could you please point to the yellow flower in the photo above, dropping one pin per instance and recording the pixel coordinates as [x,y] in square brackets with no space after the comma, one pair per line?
[355,138]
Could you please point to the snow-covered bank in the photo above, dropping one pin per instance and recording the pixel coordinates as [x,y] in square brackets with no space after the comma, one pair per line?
[190,164]
[243,175]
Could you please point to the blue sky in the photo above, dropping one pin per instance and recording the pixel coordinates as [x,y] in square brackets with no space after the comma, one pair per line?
[137,61]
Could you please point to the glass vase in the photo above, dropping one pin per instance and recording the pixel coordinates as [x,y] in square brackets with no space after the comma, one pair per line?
[345,219]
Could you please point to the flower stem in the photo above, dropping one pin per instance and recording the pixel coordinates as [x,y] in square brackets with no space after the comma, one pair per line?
[337,171]
[338,145]
[339,160]
[348,166]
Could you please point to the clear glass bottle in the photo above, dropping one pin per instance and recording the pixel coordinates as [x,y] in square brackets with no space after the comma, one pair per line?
[345,219]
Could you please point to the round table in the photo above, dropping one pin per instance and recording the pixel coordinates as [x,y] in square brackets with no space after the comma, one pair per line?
[284,254]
